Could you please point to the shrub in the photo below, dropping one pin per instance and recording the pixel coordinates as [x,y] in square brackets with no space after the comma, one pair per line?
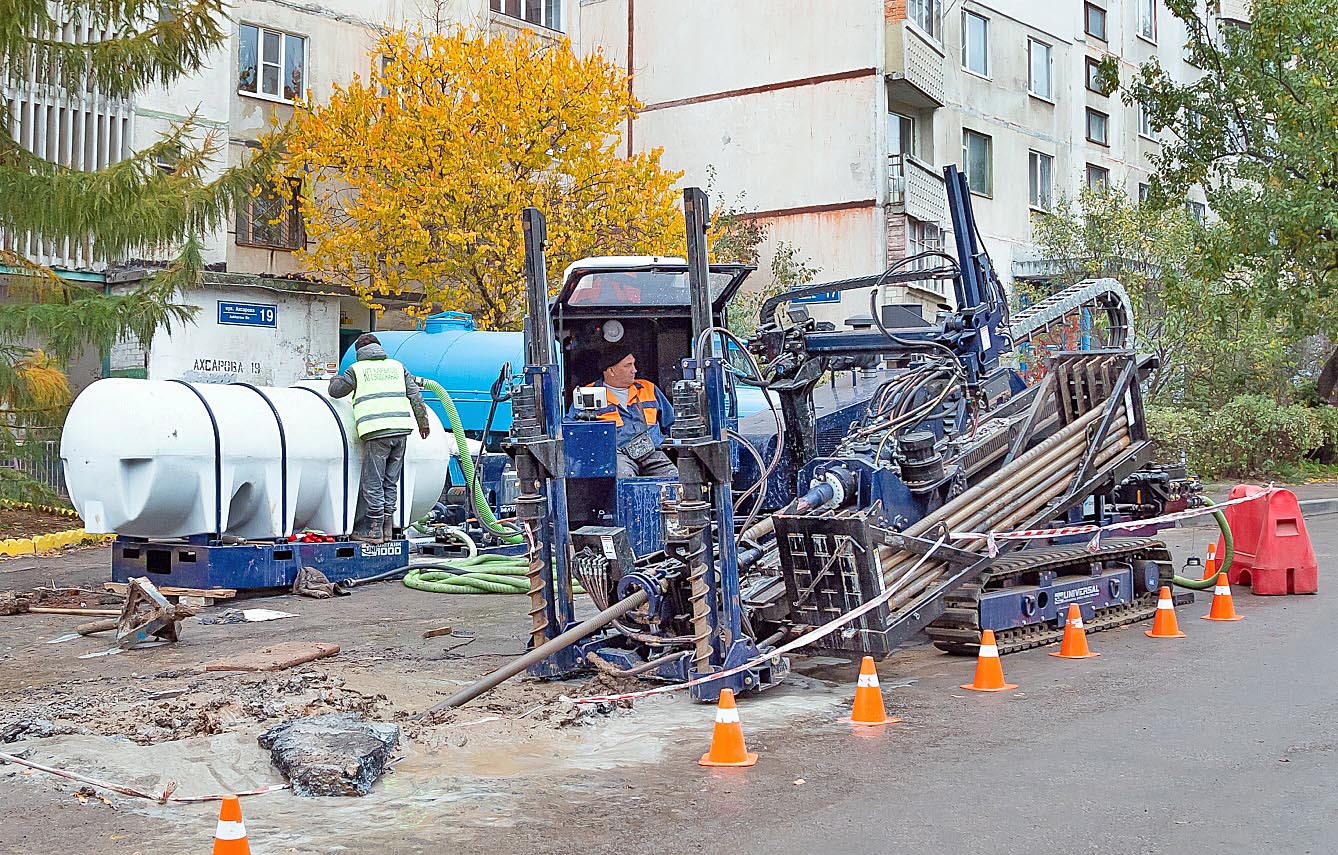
[1249,435]
[1327,417]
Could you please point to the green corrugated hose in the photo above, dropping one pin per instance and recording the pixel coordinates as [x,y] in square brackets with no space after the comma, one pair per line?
[1228,553]
[483,574]
[481,506]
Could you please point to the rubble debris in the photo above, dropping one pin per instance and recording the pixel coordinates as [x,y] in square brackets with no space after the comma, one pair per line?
[331,755]
[45,599]
[37,728]
[441,630]
[276,657]
[311,582]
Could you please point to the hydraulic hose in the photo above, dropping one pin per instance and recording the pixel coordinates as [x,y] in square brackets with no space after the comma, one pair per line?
[482,574]
[1228,553]
[485,514]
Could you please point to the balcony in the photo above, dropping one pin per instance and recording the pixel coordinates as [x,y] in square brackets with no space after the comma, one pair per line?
[914,67]
[916,189]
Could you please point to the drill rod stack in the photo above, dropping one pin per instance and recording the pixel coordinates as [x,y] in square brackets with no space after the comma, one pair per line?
[1005,500]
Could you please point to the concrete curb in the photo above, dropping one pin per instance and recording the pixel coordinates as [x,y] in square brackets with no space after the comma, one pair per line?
[43,542]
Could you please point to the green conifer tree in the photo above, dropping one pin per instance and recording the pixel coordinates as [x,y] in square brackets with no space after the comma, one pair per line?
[132,210]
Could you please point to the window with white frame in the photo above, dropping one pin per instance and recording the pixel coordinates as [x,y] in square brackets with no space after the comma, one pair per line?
[978,161]
[1147,19]
[1098,177]
[1145,123]
[901,135]
[271,63]
[928,16]
[1041,170]
[923,236]
[1098,127]
[1198,211]
[1144,190]
[1041,62]
[976,43]
[545,13]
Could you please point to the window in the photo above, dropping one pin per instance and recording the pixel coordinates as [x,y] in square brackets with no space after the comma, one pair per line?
[1093,80]
[1041,82]
[271,220]
[1098,127]
[271,63]
[1147,19]
[1198,211]
[901,134]
[978,161]
[922,236]
[1145,123]
[1094,21]
[1040,168]
[545,13]
[928,16]
[976,43]
[1098,177]
[1143,191]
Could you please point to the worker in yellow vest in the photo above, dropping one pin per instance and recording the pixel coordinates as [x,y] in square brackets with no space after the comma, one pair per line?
[387,406]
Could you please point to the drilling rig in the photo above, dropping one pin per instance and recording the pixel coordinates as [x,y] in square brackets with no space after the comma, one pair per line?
[885,459]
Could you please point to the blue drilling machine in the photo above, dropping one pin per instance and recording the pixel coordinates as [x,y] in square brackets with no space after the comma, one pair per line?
[886,456]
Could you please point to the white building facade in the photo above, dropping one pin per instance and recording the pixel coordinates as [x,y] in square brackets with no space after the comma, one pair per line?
[835,119]
[258,320]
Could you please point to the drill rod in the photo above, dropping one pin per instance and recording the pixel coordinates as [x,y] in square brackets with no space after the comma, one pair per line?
[511,669]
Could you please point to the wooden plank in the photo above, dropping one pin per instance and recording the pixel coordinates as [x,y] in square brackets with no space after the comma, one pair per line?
[276,657]
[169,591]
[51,610]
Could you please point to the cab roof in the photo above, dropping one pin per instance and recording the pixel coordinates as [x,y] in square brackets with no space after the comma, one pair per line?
[639,284]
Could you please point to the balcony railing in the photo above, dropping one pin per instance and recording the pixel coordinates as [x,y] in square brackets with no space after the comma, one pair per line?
[914,67]
[916,189]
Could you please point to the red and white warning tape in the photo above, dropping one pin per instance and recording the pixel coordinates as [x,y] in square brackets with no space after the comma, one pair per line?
[807,638]
[991,537]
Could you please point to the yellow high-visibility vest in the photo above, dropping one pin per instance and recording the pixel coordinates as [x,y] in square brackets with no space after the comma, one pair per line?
[380,398]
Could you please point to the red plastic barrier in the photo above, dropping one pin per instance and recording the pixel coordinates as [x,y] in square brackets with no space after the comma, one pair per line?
[1273,551]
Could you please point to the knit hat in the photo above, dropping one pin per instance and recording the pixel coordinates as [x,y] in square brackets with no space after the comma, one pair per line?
[612,355]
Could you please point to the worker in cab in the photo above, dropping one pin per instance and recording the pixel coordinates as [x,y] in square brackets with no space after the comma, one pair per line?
[387,406]
[641,413]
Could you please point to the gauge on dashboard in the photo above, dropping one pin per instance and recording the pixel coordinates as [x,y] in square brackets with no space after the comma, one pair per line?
[613,331]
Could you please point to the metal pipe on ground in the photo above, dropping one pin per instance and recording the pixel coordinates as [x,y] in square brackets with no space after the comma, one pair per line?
[516,666]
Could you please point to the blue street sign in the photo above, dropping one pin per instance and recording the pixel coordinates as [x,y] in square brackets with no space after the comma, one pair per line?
[824,297]
[247,314]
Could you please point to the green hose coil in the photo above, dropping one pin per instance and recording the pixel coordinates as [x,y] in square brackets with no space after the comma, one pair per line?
[483,574]
[485,513]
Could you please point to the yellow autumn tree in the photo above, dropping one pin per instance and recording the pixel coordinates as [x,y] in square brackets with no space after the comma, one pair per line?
[415,177]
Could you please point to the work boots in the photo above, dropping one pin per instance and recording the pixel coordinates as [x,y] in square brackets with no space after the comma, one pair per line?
[388,526]
[369,531]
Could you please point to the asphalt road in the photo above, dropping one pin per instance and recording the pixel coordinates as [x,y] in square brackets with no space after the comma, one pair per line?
[1223,742]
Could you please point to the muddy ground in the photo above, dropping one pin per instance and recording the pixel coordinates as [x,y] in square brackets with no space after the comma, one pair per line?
[499,775]
[26,522]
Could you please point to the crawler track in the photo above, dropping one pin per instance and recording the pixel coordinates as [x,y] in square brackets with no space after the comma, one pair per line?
[958,629]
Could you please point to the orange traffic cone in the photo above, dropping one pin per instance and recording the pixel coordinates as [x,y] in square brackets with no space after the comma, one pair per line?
[1164,624]
[727,748]
[869,707]
[1223,608]
[989,671]
[1074,645]
[1210,567]
[230,838]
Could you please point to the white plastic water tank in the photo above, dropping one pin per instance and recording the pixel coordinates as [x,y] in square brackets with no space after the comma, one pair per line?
[163,458]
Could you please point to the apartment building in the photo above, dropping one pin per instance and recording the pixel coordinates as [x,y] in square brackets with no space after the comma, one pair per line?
[835,119]
[259,321]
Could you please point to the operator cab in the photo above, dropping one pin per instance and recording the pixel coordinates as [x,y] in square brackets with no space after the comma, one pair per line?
[642,302]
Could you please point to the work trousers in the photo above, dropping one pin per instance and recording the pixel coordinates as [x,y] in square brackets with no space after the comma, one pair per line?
[654,465]
[382,462]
